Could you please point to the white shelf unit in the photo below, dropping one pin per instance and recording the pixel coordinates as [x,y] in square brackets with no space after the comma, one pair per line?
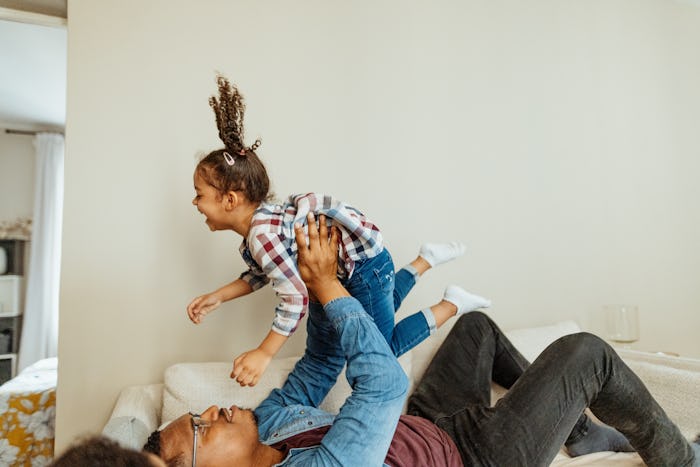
[11,295]
[11,307]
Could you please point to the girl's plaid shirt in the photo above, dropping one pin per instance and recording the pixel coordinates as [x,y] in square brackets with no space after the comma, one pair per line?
[270,250]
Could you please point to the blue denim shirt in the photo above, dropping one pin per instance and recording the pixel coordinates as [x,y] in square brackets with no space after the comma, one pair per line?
[363,429]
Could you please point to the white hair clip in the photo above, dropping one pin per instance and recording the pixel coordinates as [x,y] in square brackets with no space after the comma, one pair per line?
[229,159]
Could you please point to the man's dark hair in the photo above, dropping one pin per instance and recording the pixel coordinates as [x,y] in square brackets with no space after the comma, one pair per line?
[153,443]
[153,446]
[99,451]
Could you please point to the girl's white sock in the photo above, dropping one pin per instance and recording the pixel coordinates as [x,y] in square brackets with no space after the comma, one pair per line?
[463,300]
[438,253]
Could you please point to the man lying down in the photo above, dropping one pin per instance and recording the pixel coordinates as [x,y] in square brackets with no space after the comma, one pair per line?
[449,420]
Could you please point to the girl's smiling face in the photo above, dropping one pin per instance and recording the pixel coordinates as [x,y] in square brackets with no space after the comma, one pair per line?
[209,202]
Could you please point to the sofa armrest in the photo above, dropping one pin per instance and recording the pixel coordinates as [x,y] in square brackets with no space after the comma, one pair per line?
[136,414]
[673,381]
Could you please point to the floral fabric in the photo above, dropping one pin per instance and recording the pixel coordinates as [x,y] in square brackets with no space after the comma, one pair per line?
[27,412]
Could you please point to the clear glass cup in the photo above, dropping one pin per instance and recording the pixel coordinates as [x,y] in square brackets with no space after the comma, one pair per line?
[622,323]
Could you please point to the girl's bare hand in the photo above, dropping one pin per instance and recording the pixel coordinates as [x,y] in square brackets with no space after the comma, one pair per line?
[202,306]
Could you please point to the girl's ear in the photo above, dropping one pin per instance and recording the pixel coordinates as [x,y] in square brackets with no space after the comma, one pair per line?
[231,200]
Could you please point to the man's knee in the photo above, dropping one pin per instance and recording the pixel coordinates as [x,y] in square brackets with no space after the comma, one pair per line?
[580,344]
[474,323]
[472,319]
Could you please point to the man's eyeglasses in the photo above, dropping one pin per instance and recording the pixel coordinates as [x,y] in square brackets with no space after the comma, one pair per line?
[197,424]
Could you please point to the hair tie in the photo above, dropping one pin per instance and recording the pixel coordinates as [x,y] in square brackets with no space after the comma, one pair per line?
[229,159]
[242,152]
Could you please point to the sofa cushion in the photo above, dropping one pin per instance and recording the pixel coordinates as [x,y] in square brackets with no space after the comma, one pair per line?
[196,386]
[128,431]
[135,415]
[674,383]
[529,341]
[532,341]
[192,387]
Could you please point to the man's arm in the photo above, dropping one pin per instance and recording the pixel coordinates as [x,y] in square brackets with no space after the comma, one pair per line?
[362,431]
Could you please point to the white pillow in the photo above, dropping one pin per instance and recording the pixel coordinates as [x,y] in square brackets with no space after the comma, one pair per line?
[529,341]
[130,432]
[193,387]
[532,341]
[196,386]
[135,415]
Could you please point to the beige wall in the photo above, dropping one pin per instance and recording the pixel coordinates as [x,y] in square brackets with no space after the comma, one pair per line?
[557,139]
[17,163]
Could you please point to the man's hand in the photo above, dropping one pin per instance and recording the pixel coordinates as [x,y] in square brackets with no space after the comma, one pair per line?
[318,262]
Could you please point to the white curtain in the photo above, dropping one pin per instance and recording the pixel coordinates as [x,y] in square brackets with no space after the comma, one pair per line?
[40,323]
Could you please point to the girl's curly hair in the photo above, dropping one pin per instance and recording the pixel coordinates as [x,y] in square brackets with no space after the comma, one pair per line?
[235,167]
[102,451]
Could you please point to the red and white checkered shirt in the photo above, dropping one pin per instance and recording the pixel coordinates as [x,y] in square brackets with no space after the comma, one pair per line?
[270,250]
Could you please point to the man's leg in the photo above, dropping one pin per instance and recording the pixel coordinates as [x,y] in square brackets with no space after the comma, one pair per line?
[475,353]
[459,377]
[529,425]
[485,355]
[619,398]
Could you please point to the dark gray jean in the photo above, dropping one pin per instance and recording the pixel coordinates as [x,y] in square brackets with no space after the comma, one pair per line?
[544,405]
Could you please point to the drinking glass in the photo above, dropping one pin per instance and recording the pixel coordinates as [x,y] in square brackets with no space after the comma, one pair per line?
[622,323]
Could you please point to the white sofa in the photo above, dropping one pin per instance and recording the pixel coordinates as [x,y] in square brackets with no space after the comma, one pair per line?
[195,386]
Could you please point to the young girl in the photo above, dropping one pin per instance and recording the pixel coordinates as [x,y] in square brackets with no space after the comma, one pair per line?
[233,193]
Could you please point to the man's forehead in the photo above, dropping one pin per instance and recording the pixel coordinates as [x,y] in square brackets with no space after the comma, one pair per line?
[182,422]
[176,436]
[165,425]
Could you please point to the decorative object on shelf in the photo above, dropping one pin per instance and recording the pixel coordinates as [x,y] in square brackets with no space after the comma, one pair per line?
[11,295]
[20,229]
[14,250]
[3,261]
[10,330]
[622,323]
[5,342]
[11,307]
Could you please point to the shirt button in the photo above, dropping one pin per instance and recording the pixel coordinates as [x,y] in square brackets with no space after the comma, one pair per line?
[311,423]
[301,412]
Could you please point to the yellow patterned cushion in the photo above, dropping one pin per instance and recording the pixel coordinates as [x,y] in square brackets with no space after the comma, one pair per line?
[27,412]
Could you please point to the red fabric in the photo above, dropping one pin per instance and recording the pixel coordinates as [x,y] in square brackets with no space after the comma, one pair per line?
[416,441]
